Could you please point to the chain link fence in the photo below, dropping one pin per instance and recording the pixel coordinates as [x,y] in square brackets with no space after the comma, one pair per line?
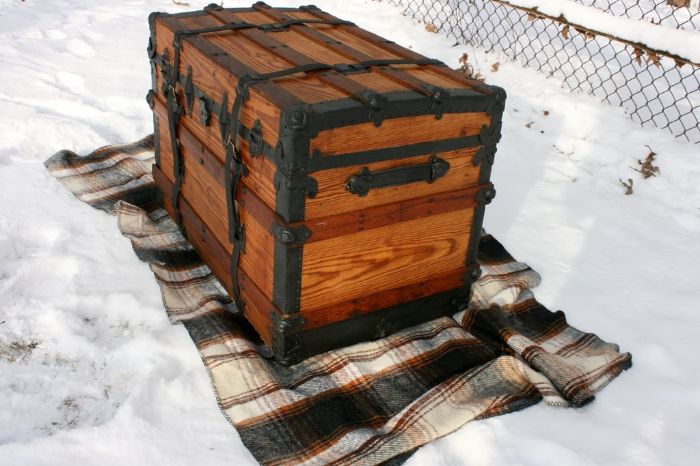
[653,87]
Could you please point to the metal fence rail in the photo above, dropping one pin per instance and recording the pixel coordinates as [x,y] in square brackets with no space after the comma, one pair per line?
[653,87]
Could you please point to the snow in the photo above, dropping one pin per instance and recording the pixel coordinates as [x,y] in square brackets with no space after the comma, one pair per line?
[91,371]
[685,44]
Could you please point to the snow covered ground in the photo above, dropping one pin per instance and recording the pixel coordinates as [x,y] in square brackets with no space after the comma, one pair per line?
[91,371]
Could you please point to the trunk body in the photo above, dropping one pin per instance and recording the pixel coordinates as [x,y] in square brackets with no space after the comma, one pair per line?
[333,181]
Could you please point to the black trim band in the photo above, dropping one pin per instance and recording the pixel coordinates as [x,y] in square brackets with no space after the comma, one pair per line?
[484,158]
[174,112]
[377,324]
[286,288]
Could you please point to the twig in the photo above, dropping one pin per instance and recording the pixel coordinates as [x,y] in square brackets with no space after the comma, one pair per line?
[535,13]
[628,186]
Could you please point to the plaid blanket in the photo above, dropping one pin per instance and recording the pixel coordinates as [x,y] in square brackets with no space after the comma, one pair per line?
[373,402]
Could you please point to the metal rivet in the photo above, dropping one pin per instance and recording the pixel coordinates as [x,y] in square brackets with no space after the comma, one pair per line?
[286,236]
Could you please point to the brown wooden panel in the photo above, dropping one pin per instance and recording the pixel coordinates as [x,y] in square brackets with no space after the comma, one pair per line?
[261,171]
[295,39]
[217,258]
[344,268]
[264,61]
[395,50]
[208,197]
[386,214]
[374,47]
[199,190]
[333,198]
[310,89]
[369,303]
[378,85]
[398,132]
[379,79]
[342,35]
[214,81]
[291,39]
[237,45]
[297,50]
[428,75]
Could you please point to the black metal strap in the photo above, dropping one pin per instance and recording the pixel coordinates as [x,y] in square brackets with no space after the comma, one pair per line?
[174,112]
[338,67]
[234,170]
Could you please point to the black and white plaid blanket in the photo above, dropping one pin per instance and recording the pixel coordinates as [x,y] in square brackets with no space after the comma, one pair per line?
[372,402]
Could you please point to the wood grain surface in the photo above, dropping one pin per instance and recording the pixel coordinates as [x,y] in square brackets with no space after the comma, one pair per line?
[398,132]
[372,261]
[382,300]
[333,198]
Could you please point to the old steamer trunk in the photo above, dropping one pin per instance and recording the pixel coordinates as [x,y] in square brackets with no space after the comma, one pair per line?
[334,181]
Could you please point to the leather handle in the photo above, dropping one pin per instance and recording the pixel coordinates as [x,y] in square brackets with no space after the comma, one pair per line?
[365,180]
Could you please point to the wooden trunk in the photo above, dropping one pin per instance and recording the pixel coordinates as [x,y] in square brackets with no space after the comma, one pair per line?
[333,181]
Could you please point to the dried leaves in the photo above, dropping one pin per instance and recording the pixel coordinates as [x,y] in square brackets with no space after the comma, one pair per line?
[430,27]
[468,69]
[565,32]
[628,186]
[653,58]
[495,66]
[585,33]
[647,167]
[638,54]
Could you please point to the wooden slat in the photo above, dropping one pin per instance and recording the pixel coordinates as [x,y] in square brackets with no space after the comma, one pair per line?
[381,259]
[334,199]
[398,132]
[373,302]
[342,35]
[366,218]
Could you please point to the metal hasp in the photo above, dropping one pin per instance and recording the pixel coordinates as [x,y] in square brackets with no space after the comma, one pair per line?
[365,180]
